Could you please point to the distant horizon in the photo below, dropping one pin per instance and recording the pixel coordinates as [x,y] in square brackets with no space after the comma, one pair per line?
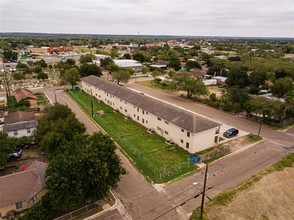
[148,35]
[223,18]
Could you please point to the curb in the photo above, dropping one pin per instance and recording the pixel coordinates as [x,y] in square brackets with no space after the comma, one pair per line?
[104,211]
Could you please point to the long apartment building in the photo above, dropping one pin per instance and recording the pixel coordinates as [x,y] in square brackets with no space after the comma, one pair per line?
[190,131]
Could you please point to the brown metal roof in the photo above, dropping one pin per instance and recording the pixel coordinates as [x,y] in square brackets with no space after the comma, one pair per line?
[184,119]
[23,93]
[19,116]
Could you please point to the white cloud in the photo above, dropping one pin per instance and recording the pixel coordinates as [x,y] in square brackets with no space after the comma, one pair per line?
[186,17]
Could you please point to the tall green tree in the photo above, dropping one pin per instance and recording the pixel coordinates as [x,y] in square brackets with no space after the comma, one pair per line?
[85,172]
[237,77]
[57,127]
[121,75]
[106,62]
[193,65]
[88,58]
[6,147]
[282,86]
[174,63]
[72,76]
[90,69]
[183,81]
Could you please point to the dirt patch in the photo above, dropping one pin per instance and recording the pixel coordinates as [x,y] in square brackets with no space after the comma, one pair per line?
[238,143]
[28,156]
[269,198]
[216,90]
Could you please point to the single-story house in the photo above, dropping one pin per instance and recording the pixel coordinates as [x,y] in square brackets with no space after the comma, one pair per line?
[19,124]
[220,79]
[189,130]
[21,190]
[133,64]
[26,94]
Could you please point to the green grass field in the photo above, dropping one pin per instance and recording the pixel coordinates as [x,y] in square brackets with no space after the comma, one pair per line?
[154,158]
[41,99]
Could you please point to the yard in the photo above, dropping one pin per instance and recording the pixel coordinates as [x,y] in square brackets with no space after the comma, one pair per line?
[41,99]
[157,160]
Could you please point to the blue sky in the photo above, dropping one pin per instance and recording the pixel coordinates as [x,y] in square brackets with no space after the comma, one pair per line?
[260,18]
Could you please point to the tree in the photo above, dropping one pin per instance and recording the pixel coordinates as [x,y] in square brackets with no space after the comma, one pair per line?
[57,126]
[257,78]
[106,62]
[85,172]
[193,65]
[114,52]
[267,108]
[127,56]
[88,58]
[71,62]
[72,76]
[18,76]
[23,104]
[205,58]
[41,63]
[90,69]
[42,76]
[9,55]
[21,65]
[282,86]
[183,81]
[139,57]
[38,69]
[237,77]
[121,76]
[42,210]
[7,147]
[289,103]
[174,63]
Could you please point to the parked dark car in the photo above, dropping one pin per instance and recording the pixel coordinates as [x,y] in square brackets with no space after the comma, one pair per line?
[232,132]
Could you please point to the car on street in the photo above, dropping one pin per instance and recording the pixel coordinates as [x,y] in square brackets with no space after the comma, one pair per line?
[232,132]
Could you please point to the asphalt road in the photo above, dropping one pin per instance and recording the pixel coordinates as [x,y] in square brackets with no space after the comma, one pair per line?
[278,137]
[142,200]
[136,194]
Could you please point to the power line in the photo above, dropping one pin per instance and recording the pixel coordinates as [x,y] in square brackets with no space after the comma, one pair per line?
[212,187]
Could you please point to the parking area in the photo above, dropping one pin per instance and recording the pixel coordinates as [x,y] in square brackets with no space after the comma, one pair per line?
[223,139]
[28,156]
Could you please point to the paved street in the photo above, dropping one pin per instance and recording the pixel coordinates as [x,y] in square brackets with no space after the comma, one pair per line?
[220,116]
[140,199]
[136,194]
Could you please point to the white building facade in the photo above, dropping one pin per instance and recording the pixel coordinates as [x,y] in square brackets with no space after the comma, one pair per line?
[20,124]
[188,130]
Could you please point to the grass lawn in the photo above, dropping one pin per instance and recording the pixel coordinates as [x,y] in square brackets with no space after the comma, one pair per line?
[41,99]
[154,158]
[152,84]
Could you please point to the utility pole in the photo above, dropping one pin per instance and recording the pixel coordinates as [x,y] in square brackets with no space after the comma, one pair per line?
[259,130]
[203,193]
[55,97]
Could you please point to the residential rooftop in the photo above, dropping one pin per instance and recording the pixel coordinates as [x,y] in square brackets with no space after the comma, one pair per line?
[187,120]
